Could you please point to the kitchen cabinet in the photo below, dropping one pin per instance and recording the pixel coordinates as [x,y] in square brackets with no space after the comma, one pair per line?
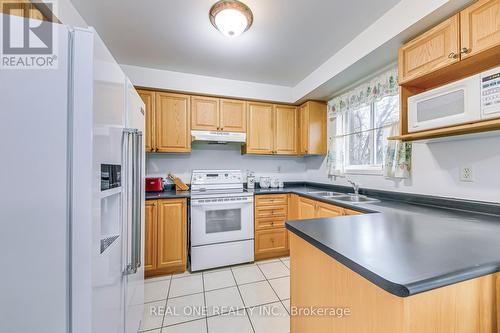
[204,113]
[23,8]
[233,115]
[285,130]
[272,129]
[441,51]
[434,49]
[215,114]
[165,249]
[271,236]
[309,209]
[173,123]
[148,97]
[150,223]
[479,27]
[312,128]
[260,129]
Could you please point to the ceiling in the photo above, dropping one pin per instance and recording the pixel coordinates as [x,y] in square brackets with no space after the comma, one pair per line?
[288,40]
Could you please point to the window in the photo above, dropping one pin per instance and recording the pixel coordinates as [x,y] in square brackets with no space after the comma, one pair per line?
[360,120]
[366,130]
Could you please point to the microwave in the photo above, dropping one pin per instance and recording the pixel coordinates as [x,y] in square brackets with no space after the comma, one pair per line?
[469,100]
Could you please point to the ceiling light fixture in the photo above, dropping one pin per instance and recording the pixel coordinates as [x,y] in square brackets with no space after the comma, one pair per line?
[231,17]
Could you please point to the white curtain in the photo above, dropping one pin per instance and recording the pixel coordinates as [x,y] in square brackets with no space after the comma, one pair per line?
[397,158]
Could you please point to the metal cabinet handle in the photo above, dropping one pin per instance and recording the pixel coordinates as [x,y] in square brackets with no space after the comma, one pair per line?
[465,50]
[453,55]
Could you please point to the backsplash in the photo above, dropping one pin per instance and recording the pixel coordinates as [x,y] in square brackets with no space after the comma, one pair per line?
[218,156]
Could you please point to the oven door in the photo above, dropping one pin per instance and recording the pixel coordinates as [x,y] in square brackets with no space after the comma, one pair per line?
[218,220]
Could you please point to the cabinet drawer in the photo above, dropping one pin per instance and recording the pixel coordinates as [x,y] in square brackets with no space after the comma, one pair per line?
[269,223]
[267,212]
[271,240]
[271,200]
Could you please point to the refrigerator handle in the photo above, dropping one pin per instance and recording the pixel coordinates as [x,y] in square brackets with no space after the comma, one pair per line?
[138,197]
[130,170]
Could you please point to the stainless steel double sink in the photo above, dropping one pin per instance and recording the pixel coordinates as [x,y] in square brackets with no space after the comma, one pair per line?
[350,197]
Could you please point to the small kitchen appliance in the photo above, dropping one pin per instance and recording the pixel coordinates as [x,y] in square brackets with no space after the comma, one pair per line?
[468,100]
[154,184]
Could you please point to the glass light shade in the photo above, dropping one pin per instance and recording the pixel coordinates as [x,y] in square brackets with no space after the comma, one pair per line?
[231,22]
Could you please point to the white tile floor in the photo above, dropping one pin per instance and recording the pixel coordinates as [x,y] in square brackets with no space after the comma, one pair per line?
[250,298]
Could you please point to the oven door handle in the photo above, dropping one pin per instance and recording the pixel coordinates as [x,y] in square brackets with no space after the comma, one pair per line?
[220,203]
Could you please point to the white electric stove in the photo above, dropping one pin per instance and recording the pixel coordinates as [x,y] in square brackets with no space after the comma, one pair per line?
[222,220]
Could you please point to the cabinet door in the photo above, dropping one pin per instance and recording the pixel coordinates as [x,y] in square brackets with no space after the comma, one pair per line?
[260,128]
[148,97]
[172,233]
[327,210]
[204,113]
[173,124]
[304,130]
[285,134]
[316,133]
[233,115]
[351,212]
[150,235]
[270,242]
[480,27]
[306,209]
[436,48]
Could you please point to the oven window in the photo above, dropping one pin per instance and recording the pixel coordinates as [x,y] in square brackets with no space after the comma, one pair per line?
[223,220]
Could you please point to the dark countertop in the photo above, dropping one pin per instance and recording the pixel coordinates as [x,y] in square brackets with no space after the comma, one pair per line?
[405,243]
[167,194]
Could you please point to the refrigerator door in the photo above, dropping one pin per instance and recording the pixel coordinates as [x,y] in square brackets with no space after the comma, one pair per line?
[35,220]
[98,241]
[134,285]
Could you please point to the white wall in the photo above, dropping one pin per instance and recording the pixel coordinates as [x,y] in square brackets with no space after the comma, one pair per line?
[436,168]
[205,156]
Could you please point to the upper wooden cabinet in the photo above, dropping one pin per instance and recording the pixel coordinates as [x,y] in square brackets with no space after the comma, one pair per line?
[436,48]
[215,114]
[272,129]
[472,35]
[148,97]
[480,27]
[173,123]
[260,128]
[204,113]
[285,130]
[233,115]
[312,128]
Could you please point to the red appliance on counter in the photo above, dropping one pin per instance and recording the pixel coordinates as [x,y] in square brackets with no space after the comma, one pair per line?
[154,184]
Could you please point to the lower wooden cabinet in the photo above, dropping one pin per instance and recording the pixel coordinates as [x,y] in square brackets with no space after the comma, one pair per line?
[165,236]
[271,236]
[271,243]
[310,209]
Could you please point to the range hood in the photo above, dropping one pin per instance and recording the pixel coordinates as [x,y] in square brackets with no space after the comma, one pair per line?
[218,137]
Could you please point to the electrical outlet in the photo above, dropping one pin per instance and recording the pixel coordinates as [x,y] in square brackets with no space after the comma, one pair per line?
[466,174]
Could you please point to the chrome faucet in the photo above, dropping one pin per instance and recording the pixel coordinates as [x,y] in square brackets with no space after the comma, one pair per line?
[355,186]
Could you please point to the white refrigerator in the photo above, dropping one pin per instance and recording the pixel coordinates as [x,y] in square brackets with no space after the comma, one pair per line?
[71,193]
